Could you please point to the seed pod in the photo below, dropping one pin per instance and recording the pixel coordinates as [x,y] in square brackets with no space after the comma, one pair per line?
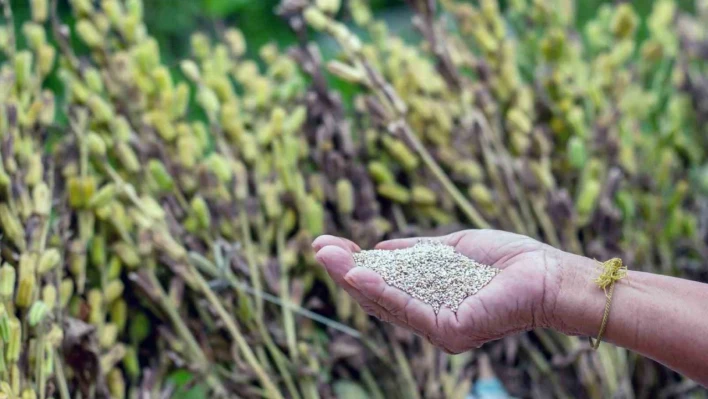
[219,166]
[518,119]
[42,199]
[201,211]
[66,291]
[119,314]
[114,268]
[131,363]
[35,170]
[140,328]
[164,242]
[48,261]
[208,101]
[316,19]
[116,383]
[7,281]
[4,325]
[55,336]
[128,158]
[624,21]
[25,290]
[108,335]
[113,291]
[313,216]
[49,296]
[422,195]
[37,313]
[380,172]
[40,10]
[23,68]
[481,195]
[14,341]
[96,145]
[345,197]
[577,153]
[127,254]
[103,196]
[88,33]
[35,35]
[589,193]
[159,173]
[394,192]
[270,196]
[400,152]
[95,303]
[160,121]
[346,72]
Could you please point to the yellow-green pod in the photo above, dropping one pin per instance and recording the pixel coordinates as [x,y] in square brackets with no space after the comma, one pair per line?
[88,33]
[380,172]
[127,254]
[108,335]
[624,21]
[103,196]
[95,303]
[394,192]
[42,199]
[48,261]
[422,195]
[119,314]
[400,151]
[37,312]
[40,10]
[12,227]
[13,347]
[66,291]
[8,277]
[201,211]
[481,195]
[345,197]
[113,291]
[49,296]
[25,290]
[587,198]
[313,216]
[116,383]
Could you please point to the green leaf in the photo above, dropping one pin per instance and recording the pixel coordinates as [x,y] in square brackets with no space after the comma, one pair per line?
[222,8]
[180,378]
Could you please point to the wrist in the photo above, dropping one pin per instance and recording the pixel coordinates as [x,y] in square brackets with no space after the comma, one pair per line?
[576,305]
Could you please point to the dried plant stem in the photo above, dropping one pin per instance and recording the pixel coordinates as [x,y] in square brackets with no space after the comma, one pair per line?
[202,364]
[288,320]
[236,334]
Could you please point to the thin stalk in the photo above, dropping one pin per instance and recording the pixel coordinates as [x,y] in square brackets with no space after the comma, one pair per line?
[185,334]
[60,378]
[288,319]
[236,335]
[404,372]
[371,385]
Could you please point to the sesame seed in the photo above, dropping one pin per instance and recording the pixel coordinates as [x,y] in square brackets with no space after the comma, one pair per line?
[430,271]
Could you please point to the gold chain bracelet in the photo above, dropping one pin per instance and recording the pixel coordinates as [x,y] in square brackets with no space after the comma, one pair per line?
[613,271]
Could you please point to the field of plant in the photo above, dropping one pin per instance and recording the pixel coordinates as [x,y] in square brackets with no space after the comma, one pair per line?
[156,215]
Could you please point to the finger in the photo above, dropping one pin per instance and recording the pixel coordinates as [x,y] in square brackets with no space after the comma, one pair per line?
[412,312]
[338,261]
[325,240]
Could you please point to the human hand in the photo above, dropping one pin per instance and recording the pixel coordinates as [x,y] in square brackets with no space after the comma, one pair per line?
[518,299]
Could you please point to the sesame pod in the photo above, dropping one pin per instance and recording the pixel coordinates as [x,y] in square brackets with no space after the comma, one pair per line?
[103,196]
[93,80]
[14,341]
[394,192]
[49,296]
[316,19]
[66,291]
[25,290]
[164,241]
[131,364]
[116,383]
[481,195]
[160,121]
[128,158]
[37,312]
[345,197]
[422,195]
[96,145]
[187,154]
[140,328]
[270,195]
[29,393]
[219,166]
[88,33]
[587,198]
[34,34]
[119,314]
[313,216]
[346,72]
[159,173]
[209,101]
[241,180]
[113,291]
[624,21]
[626,204]
[127,254]
[400,152]
[97,251]
[35,170]
[48,261]
[42,199]
[95,303]
[114,268]
[190,69]
[75,192]
[520,142]
[180,100]
[108,335]
[249,148]
[8,277]
[23,68]
[577,152]
[380,172]
[55,336]
[201,211]
[40,10]
[519,120]
[4,325]
[469,169]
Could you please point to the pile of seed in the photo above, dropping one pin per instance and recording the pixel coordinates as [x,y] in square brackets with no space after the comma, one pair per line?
[430,271]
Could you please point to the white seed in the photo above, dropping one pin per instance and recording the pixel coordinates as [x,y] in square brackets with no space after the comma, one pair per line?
[429,271]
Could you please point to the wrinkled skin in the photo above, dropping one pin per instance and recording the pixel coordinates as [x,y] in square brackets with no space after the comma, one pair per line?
[519,298]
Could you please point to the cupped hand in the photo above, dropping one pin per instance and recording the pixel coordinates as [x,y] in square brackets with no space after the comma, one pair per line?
[519,298]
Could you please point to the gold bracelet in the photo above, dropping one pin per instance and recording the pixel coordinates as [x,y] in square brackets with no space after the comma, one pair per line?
[613,271]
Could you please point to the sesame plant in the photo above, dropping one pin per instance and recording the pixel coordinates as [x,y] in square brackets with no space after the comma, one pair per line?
[156,218]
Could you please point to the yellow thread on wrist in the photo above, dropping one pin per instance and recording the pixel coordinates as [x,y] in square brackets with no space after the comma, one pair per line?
[613,271]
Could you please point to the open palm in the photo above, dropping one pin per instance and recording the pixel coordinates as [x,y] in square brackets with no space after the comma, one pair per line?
[515,300]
